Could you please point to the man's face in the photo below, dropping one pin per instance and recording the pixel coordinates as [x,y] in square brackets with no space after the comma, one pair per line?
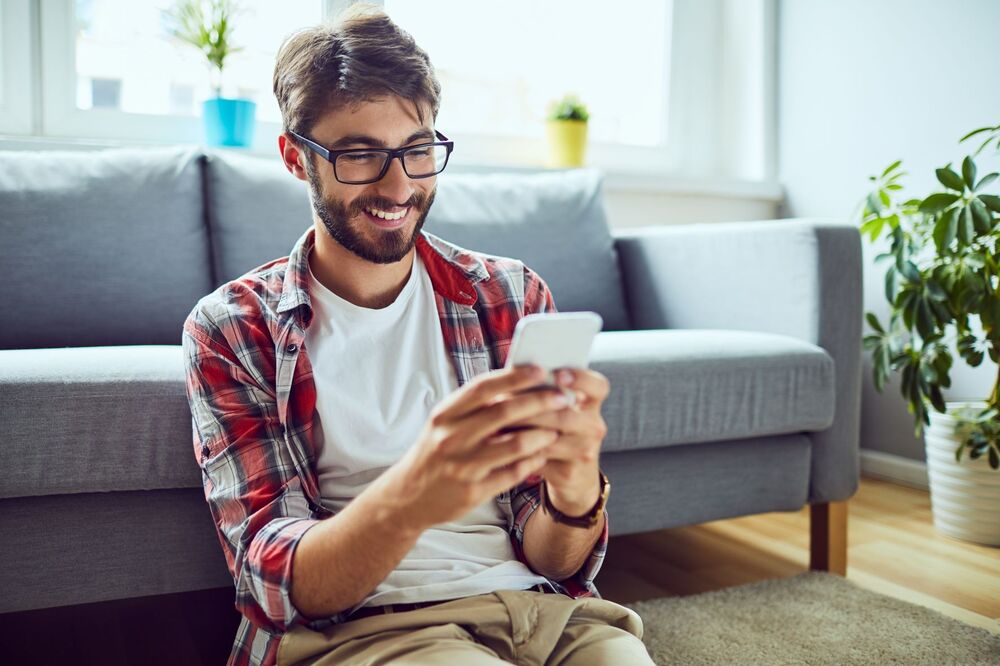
[350,212]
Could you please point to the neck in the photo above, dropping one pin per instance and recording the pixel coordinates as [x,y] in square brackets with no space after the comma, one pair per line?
[356,280]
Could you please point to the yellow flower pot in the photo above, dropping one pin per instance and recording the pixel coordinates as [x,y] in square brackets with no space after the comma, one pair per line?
[567,142]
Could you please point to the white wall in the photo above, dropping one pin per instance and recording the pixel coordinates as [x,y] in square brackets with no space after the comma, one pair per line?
[862,83]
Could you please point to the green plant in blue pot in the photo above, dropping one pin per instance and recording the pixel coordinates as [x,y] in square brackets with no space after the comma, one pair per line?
[207,25]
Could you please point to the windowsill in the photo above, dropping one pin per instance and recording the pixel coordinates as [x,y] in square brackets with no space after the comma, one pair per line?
[615,180]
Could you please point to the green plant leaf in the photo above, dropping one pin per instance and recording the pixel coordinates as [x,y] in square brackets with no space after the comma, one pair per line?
[925,319]
[969,172]
[891,167]
[975,132]
[945,230]
[911,272]
[992,202]
[984,144]
[884,197]
[937,202]
[936,291]
[873,228]
[891,284]
[873,322]
[966,229]
[981,216]
[986,180]
[950,179]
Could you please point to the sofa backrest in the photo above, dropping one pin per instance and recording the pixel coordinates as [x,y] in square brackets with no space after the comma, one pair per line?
[115,247]
[554,222]
[100,248]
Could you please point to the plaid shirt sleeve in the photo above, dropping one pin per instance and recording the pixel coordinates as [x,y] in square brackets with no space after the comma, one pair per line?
[527,496]
[250,482]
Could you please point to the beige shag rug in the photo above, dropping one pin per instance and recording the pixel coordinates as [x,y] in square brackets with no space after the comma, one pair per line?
[812,618]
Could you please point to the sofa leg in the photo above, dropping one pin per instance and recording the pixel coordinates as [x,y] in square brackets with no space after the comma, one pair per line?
[828,537]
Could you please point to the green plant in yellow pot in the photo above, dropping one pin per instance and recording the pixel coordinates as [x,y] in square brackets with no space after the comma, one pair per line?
[566,127]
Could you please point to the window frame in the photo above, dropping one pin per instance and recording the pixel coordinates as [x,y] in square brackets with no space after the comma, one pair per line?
[17,94]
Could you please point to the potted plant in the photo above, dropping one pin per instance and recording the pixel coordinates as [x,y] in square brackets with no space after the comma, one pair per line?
[207,25]
[945,269]
[566,127]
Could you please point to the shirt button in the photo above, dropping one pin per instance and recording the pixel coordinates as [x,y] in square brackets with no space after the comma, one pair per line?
[291,348]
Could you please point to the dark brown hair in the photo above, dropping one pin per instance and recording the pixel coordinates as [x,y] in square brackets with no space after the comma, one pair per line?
[361,56]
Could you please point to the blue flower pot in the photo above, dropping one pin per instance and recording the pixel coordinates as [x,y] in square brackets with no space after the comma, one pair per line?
[229,122]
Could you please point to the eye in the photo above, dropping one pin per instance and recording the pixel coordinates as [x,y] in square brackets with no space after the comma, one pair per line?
[360,158]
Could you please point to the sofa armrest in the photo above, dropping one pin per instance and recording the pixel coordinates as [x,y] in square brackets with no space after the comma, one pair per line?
[796,277]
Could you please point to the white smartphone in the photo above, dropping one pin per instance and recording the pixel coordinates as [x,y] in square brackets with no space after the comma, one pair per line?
[554,340]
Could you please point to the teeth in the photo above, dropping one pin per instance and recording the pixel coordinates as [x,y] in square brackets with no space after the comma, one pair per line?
[388,216]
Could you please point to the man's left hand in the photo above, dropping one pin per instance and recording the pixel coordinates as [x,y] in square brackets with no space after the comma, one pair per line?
[572,472]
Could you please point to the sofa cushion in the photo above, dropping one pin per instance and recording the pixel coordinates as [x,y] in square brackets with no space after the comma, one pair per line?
[258,210]
[94,419]
[683,386]
[554,222]
[116,418]
[101,247]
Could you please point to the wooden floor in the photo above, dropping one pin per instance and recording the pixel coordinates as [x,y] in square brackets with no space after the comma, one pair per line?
[893,549]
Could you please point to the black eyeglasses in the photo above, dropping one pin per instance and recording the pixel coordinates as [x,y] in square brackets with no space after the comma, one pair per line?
[360,166]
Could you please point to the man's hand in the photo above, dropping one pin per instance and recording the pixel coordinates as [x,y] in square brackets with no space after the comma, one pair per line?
[459,460]
[571,471]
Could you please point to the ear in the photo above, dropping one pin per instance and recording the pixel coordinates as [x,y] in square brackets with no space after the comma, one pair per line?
[293,158]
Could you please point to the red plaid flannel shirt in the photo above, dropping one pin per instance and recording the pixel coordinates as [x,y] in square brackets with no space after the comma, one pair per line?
[252,398]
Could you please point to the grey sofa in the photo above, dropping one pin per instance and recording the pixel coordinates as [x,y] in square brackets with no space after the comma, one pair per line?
[733,352]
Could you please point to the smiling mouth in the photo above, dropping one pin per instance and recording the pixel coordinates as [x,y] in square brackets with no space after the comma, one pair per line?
[392,219]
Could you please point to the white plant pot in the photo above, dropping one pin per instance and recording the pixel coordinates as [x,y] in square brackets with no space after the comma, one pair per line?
[965,496]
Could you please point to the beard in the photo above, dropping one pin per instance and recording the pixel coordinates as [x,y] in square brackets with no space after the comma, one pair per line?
[384,246]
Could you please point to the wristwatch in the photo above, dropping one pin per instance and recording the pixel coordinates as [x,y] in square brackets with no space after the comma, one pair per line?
[588,519]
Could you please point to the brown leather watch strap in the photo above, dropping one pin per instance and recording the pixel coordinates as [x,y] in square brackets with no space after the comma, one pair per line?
[588,519]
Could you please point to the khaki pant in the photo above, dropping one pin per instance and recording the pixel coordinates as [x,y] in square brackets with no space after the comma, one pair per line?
[507,626]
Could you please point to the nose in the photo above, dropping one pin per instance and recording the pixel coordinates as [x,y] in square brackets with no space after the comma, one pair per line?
[395,185]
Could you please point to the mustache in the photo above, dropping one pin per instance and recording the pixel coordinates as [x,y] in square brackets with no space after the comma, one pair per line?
[417,200]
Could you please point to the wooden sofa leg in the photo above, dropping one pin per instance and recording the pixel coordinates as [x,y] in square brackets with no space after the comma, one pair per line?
[828,537]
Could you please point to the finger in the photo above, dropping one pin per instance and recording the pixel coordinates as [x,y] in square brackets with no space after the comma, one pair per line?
[513,474]
[501,450]
[573,449]
[568,420]
[592,383]
[475,427]
[484,388]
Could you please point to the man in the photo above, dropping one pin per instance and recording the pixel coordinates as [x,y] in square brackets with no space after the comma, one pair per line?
[377,490]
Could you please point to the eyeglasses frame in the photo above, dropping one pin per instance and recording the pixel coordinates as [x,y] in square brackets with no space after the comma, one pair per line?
[332,155]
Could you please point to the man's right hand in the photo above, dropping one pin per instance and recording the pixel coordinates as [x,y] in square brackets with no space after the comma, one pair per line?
[461,458]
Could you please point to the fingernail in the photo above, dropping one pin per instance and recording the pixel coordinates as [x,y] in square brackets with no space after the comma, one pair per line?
[564,377]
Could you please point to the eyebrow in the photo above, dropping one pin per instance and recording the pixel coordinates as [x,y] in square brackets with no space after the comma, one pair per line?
[355,139]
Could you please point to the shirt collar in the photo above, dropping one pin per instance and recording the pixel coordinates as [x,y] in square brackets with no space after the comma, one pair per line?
[453,270]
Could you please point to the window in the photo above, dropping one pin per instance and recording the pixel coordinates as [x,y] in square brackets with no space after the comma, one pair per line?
[113,70]
[500,64]
[673,86]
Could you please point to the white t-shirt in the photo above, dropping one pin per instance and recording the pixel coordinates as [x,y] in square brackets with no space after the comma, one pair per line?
[378,374]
